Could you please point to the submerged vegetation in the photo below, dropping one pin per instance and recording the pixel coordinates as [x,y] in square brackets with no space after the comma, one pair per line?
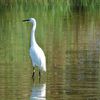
[68,5]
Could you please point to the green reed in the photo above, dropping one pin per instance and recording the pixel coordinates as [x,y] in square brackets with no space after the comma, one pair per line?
[68,5]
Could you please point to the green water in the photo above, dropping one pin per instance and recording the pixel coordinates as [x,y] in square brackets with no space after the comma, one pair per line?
[71,42]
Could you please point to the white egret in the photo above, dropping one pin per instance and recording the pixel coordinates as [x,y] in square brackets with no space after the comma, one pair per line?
[36,53]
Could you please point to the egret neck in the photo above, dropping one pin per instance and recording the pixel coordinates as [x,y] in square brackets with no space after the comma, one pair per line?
[33,40]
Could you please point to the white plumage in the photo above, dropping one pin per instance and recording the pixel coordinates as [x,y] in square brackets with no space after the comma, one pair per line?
[38,57]
[36,53]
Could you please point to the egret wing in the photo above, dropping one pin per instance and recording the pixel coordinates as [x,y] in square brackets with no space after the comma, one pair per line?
[35,57]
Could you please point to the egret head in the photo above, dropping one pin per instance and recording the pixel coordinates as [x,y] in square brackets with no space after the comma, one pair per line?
[31,20]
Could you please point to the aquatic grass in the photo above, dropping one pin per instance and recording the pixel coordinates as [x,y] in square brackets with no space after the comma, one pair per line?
[85,4]
[68,5]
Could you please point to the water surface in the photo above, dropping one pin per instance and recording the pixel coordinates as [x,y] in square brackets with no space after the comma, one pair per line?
[71,42]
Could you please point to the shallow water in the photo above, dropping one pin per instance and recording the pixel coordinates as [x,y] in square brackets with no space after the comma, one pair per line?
[71,43]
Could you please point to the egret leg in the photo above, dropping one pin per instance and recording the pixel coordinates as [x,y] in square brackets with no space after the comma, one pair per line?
[39,74]
[33,73]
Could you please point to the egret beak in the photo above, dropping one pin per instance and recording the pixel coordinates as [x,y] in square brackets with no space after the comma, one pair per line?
[25,20]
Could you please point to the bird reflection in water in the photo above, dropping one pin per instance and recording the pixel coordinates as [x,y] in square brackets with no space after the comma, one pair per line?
[38,92]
